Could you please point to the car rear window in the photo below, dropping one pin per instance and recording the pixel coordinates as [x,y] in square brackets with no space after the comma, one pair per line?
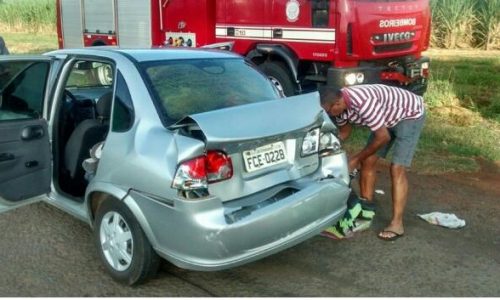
[185,87]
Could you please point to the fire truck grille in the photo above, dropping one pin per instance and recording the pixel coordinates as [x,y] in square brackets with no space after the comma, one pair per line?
[394,47]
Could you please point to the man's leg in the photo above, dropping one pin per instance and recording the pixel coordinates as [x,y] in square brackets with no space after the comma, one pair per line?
[399,197]
[407,136]
[368,177]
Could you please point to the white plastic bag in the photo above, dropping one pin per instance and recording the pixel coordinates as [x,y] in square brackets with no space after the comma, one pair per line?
[443,219]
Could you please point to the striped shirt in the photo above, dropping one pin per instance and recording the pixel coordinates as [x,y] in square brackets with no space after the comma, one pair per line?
[377,105]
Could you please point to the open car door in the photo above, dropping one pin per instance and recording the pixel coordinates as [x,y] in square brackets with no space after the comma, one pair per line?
[25,156]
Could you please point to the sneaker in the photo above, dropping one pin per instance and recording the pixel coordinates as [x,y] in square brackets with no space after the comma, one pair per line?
[350,215]
[367,209]
[336,233]
[343,228]
[361,225]
[354,209]
[355,219]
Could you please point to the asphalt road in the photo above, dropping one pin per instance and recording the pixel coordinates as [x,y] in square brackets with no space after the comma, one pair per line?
[45,252]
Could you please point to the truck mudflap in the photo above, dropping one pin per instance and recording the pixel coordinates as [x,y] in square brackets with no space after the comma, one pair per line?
[410,74]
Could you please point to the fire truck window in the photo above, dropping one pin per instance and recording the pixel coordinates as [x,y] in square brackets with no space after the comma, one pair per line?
[320,13]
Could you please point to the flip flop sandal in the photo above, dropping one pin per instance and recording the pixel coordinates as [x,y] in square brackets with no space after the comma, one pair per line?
[390,238]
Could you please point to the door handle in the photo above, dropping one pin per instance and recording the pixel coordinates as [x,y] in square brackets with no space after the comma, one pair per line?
[6,157]
[32,132]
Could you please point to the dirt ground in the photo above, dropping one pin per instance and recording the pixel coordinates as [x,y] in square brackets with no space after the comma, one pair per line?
[45,252]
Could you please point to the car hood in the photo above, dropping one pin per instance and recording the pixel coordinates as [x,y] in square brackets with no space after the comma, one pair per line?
[257,120]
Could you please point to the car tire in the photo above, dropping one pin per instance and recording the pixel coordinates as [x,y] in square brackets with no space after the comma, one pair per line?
[122,245]
[279,75]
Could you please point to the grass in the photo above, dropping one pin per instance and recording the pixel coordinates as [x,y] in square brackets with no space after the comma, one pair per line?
[466,23]
[467,81]
[30,43]
[27,15]
[453,21]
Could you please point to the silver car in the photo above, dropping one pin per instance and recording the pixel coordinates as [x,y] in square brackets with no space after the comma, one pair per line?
[188,155]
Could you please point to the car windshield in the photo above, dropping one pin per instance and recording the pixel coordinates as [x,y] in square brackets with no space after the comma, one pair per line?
[185,87]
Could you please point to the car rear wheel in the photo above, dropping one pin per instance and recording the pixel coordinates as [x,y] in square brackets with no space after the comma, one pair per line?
[123,247]
[279,76]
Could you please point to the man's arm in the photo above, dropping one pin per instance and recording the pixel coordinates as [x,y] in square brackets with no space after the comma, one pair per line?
[345,131]
[381,137]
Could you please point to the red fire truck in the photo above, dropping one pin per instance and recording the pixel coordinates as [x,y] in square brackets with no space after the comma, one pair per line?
[299,44]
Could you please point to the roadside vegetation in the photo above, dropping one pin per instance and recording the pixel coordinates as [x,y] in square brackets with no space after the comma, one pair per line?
[466,23]
[463,98]
[34,16]
[25,42]
[464,107]
[28,26]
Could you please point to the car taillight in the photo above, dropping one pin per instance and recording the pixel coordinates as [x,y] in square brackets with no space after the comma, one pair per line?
[198,172]
[310,145]
[219,166]
[329,144]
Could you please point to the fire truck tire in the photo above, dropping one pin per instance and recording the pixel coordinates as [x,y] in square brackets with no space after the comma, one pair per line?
[278,73]
[98,43]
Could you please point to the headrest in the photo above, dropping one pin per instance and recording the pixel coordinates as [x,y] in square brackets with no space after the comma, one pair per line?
[103,105]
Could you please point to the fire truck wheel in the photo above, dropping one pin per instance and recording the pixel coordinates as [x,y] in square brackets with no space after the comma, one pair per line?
[105,74]
[279,75]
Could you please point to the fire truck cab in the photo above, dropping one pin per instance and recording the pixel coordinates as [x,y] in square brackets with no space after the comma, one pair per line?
[299,44]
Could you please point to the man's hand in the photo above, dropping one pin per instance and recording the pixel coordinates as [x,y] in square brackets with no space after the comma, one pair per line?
[345,131]
[353,163]
[381,138]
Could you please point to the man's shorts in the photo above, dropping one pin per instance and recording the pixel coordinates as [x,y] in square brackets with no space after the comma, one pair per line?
[404,140]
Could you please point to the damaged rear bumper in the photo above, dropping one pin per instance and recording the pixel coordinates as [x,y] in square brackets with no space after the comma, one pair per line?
[198,235]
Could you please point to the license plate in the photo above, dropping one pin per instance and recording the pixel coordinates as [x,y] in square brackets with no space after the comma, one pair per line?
[265,156]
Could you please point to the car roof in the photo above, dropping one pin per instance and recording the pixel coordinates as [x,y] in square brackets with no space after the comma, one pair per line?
[155,54]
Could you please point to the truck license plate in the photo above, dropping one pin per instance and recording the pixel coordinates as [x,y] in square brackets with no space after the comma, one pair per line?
[265,156]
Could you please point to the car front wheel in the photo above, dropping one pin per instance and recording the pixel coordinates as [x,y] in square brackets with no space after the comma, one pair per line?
[123,246]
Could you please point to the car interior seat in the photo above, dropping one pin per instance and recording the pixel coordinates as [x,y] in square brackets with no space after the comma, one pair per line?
[88,133]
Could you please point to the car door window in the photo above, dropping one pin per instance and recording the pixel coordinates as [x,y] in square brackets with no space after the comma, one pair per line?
[87,82]
[90,74]
[22,89]
[123,109]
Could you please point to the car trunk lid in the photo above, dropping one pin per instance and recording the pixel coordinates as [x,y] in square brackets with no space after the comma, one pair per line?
[263,140]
